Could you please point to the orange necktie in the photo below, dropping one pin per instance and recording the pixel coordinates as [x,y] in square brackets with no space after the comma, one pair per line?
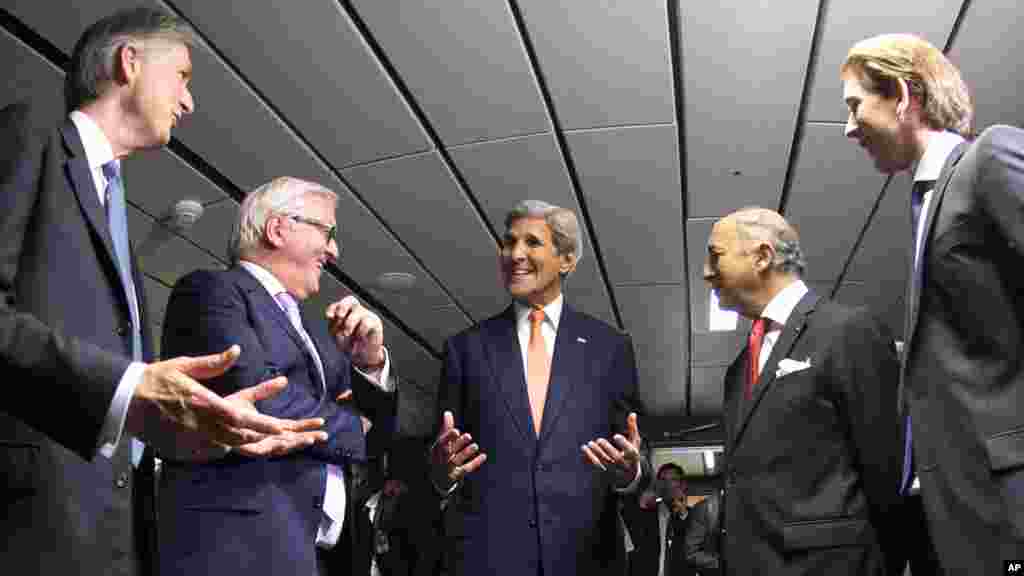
[538,369]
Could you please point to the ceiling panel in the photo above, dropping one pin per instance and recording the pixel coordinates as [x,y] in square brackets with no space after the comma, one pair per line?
[630,182]
[407,356]
[849,22]
[884,297]
[156,301]
[655,316]
[832,194]
[697,232]
[163,255]
[214,229]
[28,77]
[356,116]
[706,389]
[986,48]
[606,62]
[714,348]
[463,62]
[502,173]
[421,202]
[74,16]
[156,180]
[741,105]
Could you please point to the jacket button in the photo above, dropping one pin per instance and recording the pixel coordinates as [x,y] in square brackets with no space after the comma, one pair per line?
[120,331]
[533,523]
[122,480]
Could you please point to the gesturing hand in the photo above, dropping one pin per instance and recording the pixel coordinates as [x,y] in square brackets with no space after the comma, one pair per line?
[621,459]
[173,412]
[358,332]
[453,455]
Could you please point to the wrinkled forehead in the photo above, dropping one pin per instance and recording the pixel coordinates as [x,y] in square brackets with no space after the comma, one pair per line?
[529,225]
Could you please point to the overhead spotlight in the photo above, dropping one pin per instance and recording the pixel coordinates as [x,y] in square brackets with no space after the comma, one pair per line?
[184,214]
[395,281]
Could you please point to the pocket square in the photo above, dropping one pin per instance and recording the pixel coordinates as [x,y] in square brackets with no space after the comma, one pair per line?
[789,366]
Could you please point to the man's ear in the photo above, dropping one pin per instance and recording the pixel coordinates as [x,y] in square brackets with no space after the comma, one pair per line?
[568,263]
[128,63]
[764,255]
[905,101]
[273,231]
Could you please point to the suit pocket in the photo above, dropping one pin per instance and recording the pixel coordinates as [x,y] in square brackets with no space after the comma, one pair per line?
[19,470]
[1005,450]
[826,533]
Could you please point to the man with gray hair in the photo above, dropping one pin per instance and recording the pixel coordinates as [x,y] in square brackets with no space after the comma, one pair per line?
[74,338]
[532,388]
[243,515]
[809,413]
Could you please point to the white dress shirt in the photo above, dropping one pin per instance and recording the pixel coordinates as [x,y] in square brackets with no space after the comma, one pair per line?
[97,153]
[778,311]
[549,330]
[940,146]
[335,500]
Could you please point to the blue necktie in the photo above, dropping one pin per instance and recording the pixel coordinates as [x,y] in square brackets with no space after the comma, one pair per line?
[916,204]
[117,219]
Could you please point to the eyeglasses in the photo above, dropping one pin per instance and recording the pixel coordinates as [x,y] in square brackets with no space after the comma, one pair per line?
[331,232]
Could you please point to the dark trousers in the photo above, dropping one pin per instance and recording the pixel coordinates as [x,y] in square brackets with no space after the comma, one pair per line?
[916,540]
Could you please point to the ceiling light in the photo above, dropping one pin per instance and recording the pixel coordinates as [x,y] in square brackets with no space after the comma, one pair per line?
[395,281]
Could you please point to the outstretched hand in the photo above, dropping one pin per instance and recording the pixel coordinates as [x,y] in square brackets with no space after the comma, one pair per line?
[183,419]
[453,455]
[621,458]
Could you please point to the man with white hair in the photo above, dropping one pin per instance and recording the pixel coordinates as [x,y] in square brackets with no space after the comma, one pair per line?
[241,515]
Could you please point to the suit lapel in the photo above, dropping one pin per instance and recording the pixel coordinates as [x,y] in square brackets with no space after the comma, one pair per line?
[262,298]
[506,360]
[791,333]
[933,208]
[80,179]
[566,369]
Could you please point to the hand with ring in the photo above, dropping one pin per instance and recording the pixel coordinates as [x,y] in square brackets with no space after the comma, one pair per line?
[453,456]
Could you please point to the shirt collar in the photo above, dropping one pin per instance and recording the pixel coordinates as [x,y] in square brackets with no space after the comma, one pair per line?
[97,147]
[940,146]
[264,277]
[552,312]
[781,306]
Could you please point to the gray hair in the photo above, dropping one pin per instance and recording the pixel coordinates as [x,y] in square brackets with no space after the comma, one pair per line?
[94,59]
[755,223]
[283,195]
[565,229]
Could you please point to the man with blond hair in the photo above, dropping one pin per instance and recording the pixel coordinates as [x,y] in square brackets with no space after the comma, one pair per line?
[292,514]
[962,379]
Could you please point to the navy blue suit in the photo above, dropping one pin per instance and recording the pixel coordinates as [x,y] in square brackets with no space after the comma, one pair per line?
[536,506]
[65,342]
[257,515]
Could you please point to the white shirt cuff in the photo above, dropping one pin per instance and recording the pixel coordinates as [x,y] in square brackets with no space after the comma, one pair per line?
[382,377]
[631,487]
[113,425]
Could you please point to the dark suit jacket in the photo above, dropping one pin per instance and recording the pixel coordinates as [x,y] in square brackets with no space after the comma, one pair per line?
[645,533]
[813,460]
[536,501]
[65,342]
[257,515]
[963,379]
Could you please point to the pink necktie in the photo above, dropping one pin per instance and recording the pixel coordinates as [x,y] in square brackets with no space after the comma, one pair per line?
[754,354]
[538,369]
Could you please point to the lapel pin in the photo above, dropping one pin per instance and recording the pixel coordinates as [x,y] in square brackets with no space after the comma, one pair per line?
[581,340]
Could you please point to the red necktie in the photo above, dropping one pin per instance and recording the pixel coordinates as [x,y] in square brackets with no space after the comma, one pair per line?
[754,354]
[538,369]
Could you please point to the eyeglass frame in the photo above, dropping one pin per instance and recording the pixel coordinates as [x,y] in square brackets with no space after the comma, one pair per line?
[330,231]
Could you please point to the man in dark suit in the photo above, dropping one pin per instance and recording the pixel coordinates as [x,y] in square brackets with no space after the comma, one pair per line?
[73,335]
[667,534]
[532,387]
[810,407]
[962,380]
[251,515]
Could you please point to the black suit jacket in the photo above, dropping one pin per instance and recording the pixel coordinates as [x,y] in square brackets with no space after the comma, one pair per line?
[536,500]
[687,540]
[65,342]
[260,515]
[813,460]
[963,378]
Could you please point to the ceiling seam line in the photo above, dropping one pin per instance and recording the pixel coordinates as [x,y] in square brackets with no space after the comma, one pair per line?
[317,156]
[805,96]
[859,239]
[54,56]
[563,149]
[627,126]
[421,116]
[676,58]
[961,14]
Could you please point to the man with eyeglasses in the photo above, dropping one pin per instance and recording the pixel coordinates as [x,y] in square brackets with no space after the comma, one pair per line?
[276,515]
